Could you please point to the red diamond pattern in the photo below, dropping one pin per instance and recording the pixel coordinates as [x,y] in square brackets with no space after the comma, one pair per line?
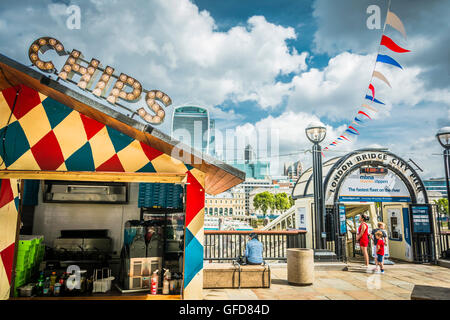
[111,165]
[150,152]
[6,193]
[7,256]
[47,152]
[91,126]
[195,197]
[26,101]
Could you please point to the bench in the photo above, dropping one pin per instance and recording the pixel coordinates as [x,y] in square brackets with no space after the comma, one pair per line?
[233,275]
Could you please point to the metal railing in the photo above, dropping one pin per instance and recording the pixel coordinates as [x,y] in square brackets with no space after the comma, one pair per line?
[442,234]
[228,245]
[443,240]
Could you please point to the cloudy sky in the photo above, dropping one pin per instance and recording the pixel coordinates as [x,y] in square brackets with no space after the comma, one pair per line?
[266,66]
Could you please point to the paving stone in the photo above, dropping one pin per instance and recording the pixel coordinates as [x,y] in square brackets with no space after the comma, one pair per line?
[396,284]
[361,295]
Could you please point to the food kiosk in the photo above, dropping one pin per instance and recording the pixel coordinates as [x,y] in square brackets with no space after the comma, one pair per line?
[73,143]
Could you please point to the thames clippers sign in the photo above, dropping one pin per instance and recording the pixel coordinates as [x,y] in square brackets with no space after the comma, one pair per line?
[92,75]
[353,185]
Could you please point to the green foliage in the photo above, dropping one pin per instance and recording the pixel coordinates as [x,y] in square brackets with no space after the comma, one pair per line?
[291,201]
[264,201]
[442,205]
[282,201]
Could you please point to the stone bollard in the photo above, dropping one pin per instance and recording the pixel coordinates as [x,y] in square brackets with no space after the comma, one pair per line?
[300,264]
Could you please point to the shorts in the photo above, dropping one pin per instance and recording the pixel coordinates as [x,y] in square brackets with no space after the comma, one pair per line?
[380,258]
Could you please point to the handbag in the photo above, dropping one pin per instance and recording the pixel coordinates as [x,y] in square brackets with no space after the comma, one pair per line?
[241,260]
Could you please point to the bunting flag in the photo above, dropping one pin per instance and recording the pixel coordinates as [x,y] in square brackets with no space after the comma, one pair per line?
[358,122]
[391,45]
[373,99]
[363,117]
[372,89]
[352,132]
[395,22]
[364,114]
[380,76]
[369,107]
[386,59]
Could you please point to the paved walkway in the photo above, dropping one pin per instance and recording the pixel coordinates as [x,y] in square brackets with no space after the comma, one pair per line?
[355,284]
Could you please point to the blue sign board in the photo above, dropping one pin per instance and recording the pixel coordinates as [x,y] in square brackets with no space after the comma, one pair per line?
[342,220]
[421,218]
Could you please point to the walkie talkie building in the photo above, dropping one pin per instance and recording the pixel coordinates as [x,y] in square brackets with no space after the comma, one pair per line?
[192,126]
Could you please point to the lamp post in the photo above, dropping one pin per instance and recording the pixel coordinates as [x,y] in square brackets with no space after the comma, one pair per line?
[443,136]
[316,132]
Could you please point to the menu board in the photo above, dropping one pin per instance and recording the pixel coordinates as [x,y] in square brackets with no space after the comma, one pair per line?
[421,218]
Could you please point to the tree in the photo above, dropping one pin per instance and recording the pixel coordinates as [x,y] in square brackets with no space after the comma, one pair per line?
[442,206]
[291,201]
[282,201]
[264,201]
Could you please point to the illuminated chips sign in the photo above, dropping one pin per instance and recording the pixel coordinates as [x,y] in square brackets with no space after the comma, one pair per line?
[125,87]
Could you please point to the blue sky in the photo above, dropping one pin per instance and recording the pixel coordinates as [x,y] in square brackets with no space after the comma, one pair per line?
[266,66]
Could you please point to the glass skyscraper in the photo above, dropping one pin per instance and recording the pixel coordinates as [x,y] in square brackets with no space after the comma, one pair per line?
[192,126]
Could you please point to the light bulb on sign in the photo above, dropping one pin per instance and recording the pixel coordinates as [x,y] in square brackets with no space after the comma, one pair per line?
[74,65]
[42,45]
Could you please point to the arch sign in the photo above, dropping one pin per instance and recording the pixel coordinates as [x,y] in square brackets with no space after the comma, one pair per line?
[373,176]
[91,73]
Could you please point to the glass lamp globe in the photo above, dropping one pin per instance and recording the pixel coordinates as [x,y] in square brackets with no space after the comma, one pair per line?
[443,136]
[316,132]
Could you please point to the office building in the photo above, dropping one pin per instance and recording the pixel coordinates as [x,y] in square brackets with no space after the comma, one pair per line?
[191,125]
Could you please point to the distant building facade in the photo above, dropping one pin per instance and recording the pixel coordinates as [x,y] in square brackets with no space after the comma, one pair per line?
[227,204]
[293,170]
[249,185]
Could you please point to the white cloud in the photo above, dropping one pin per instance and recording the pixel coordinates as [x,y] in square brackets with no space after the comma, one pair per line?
[337,91]
[172,46]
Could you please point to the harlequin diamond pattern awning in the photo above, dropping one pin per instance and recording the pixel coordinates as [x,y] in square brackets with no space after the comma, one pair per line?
[54,128]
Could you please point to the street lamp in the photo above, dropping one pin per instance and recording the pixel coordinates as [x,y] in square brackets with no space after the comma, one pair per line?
[443,136]
[316,132]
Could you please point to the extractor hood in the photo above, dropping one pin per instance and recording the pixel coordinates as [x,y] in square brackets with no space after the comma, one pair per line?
[85,192]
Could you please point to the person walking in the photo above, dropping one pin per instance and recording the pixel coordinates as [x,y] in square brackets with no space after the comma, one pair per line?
[363,237]
[254,249]
[381,227]
[380,252]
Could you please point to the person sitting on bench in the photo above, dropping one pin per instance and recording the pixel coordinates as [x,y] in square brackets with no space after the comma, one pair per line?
[254,250]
